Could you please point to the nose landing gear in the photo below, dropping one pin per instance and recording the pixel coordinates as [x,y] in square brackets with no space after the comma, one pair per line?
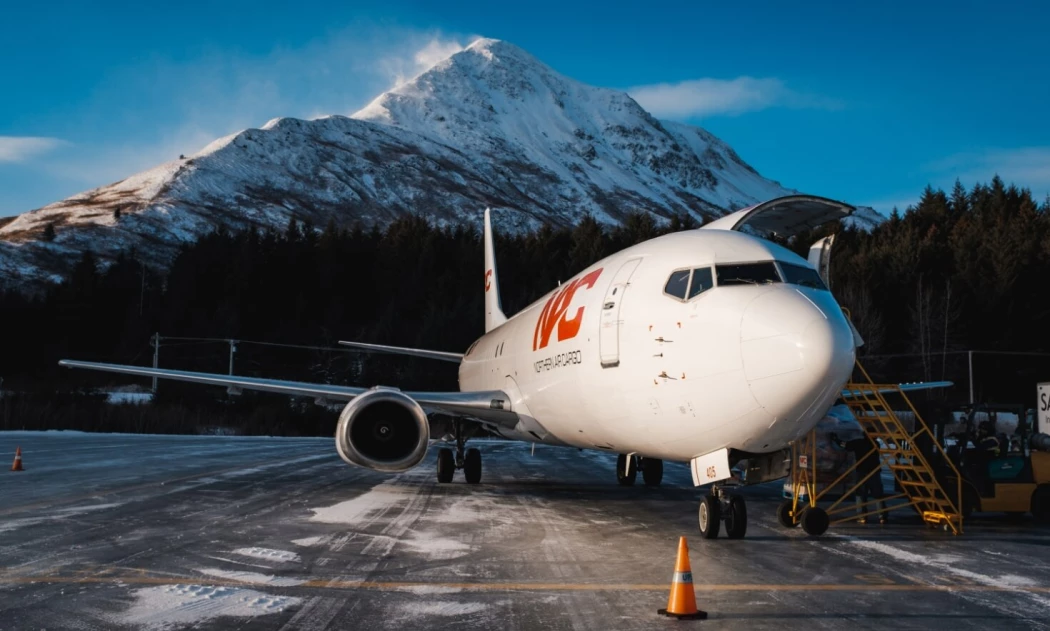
[721,506]
[467,459]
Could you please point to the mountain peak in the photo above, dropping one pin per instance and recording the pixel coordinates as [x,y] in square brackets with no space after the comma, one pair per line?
[490,125]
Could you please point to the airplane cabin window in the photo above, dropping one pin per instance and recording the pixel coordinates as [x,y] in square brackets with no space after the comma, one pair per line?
[747,274]
[802,276]
[677,284]
[702,281]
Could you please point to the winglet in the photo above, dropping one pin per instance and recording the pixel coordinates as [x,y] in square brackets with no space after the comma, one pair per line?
[493,311]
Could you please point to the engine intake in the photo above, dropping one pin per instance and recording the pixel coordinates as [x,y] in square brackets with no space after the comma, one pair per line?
[384,430]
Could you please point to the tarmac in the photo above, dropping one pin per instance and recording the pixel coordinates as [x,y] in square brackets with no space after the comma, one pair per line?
[105,531]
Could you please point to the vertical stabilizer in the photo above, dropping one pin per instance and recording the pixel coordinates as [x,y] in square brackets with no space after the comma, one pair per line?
[493,311]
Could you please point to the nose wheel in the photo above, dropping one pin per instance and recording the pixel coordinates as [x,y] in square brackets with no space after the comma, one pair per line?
[720,507]
[467,459]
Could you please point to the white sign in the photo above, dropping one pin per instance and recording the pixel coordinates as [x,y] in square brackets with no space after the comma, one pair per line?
[1042,407]
[712,467]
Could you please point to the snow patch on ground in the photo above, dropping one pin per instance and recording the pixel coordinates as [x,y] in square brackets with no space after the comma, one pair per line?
[438,547]
[423,590]
[60,513]
[355,511]
[253,578]
[1005,581]
[447,609]
[169,605]
[282,556]
[309,542]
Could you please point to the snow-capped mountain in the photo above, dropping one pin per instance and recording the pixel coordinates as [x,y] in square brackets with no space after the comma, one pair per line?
[489,126]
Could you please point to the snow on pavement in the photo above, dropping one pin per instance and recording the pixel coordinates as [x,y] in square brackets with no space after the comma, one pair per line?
[281,556]
[169,605]
[253,577]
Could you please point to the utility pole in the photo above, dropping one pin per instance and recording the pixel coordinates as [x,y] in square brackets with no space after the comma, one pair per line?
[156,357]
[970,357]
[142,290]
[233,349]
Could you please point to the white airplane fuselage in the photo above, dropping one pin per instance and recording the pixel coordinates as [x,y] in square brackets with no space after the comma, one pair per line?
[610,361]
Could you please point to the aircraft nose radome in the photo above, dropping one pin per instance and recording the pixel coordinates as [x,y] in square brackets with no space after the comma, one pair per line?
[792,349]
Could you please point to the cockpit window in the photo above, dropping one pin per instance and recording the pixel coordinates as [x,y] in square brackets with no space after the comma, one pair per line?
[747,274]
[802,276]
[677,284]
[701,282]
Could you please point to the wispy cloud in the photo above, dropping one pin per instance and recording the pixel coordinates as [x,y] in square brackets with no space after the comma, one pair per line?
[709,97]
[22,148]
[402,67]
[1023,166]
[181,106]
[1027,167]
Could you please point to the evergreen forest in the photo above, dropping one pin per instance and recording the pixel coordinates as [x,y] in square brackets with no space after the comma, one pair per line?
[960,271]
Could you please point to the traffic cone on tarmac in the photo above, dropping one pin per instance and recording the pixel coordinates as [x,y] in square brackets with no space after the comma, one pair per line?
[17,466]
[682,602]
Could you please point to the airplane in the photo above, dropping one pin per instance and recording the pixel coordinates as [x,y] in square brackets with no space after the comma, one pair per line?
[714,347]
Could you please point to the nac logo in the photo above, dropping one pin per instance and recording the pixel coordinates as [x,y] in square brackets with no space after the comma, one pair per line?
[554,314]
[488,279]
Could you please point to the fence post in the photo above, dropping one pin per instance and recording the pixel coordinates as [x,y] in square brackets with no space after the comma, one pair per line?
[156,357]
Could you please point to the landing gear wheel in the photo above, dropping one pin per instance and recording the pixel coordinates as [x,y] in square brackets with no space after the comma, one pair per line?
[446,466]
[652,471]
[784,514]
[472,466]
[623,476]
[1041,504]
[710,517]
[736,517]
[815,521]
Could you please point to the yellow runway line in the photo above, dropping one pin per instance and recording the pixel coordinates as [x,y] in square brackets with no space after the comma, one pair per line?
[522,586]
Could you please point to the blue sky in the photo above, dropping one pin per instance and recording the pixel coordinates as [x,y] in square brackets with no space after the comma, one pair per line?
[865,104]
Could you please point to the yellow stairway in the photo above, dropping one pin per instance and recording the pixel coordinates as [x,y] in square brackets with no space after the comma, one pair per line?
[897,449]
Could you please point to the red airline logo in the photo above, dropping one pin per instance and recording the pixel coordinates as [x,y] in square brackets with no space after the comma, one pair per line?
[554,313]
[488,279]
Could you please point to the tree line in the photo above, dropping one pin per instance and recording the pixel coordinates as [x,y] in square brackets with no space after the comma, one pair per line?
[958,271]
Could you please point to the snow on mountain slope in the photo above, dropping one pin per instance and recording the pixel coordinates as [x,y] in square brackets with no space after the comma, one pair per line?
[488,126]
[602,152]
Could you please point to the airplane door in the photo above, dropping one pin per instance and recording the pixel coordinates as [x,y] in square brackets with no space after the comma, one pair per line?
[609,334]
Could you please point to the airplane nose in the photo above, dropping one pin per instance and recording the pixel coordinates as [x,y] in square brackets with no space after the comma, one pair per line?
[795,352]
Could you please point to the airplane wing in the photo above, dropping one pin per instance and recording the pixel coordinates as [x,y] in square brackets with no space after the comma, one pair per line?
[784,216]
[491,406]
[401,350]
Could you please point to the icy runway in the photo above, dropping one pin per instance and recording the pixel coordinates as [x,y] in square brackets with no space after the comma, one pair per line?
[156,532]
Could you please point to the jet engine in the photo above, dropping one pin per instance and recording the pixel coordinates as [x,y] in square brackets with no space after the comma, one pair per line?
[384,430]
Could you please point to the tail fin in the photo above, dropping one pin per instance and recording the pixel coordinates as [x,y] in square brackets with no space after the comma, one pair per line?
[493,311]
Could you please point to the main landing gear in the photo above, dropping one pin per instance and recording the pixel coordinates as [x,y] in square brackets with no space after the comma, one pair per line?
[467,459]
[721,506]
[627,467]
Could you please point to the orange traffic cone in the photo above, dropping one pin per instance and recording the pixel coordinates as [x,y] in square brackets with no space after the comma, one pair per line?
[682,602]
[17,466]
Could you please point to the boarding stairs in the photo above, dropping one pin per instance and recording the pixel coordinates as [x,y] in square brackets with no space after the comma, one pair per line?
[898,449]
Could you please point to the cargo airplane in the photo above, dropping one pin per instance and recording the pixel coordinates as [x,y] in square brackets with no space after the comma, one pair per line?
[715,347]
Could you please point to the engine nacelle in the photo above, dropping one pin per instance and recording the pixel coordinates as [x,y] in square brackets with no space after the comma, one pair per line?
[384,430]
